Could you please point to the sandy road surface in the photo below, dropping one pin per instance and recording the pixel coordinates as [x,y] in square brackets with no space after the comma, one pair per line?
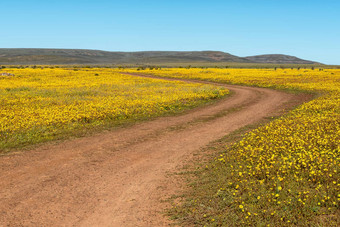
[118,178]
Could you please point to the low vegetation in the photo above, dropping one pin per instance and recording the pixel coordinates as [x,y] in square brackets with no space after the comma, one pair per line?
[44,104]
[281,174]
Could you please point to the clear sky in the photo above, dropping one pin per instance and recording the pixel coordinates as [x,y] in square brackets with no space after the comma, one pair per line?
[308,29]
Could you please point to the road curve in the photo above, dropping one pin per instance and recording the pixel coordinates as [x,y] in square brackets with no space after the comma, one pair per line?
[118,178]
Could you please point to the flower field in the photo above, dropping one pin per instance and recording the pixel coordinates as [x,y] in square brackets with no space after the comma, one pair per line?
[38,105]
[281,174]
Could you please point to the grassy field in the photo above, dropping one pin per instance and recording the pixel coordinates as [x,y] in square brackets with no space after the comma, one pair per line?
[39,105]
[186,65]
[281,174]
[233,65]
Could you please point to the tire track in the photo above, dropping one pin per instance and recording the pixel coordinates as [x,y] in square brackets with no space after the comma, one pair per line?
[118,178]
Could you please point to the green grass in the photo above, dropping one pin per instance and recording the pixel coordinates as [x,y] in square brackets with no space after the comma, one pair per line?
[209,200]
[64,104]
[282,173]
[200,203]
[34,137]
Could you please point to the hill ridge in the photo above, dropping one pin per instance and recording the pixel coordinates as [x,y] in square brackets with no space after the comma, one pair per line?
[88,56]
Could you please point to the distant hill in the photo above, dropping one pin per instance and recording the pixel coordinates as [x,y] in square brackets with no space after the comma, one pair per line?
[278,59]
[79,56]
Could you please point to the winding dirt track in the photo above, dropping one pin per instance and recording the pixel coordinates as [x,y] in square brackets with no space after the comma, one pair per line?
[118,178]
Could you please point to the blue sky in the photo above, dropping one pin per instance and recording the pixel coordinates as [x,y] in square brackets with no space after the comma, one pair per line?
[307,29]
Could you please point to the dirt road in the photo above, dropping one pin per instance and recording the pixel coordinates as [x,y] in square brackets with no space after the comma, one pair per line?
[118,178]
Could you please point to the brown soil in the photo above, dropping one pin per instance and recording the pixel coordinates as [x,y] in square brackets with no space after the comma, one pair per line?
[118,178]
